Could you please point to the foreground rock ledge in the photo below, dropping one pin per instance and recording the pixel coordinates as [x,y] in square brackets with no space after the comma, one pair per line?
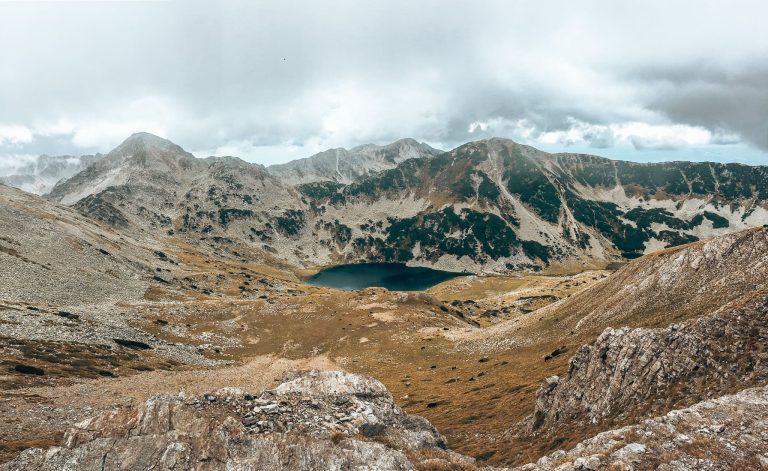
[727,433]
[314,420]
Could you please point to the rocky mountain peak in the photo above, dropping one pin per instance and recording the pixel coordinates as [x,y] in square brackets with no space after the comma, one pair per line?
[143,146]
[148,141]
[143,158]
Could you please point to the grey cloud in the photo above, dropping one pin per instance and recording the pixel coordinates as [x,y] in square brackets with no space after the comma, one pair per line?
[601,139]
[724,99]
[332,73]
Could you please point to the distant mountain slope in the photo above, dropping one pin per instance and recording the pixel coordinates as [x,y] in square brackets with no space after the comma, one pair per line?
[674,284]
[40,175]
[150,184]
[495,205]
[53,254]
[487,206]
[142,160]
[347,166]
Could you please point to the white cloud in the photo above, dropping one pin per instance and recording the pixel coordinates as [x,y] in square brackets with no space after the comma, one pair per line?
[642,136]
[11,164]
[270,81]
[15,135]
[647,137]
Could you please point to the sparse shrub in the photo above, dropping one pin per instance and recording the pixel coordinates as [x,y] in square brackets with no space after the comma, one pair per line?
[337,436]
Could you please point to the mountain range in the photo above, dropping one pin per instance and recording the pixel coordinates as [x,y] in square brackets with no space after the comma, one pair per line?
[347,166]
[491,206]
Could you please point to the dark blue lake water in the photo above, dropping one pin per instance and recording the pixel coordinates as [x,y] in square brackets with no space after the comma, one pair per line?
[392,276]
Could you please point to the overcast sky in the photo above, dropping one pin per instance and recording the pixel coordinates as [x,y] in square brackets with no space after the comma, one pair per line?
[270,81]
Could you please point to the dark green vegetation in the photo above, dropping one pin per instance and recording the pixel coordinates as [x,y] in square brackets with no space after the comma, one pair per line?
[98,207]
[392,276]
[291,222]
[548,185]
[228,214]
[479,236]
[630,239]
[531,184]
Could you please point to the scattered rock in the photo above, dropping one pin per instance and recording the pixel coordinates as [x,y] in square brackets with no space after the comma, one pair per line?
[28,370]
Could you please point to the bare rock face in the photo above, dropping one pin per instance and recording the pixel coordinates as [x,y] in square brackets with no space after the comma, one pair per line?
[631,373]
[730,432]
[315,420]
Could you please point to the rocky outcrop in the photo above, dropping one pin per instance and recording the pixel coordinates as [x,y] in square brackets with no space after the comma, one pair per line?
[727,433]
[630,373]
[312,421]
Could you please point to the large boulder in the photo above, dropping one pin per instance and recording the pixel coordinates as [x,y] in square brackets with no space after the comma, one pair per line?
[628,373]
[313,420]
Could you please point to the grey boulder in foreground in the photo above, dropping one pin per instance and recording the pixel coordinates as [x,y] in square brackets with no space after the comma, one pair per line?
[317,420]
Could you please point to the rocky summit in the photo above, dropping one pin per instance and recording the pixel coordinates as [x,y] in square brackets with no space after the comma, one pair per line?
[158,311]
[347,166]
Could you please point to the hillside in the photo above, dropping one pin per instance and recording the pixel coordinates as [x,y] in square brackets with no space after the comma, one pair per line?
[674,284]
[54,254]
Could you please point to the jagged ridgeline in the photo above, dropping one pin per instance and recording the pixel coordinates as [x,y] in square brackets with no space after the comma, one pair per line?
[486,206]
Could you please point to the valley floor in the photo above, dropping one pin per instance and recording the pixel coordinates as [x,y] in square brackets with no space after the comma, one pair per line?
[469,355]
[256,324]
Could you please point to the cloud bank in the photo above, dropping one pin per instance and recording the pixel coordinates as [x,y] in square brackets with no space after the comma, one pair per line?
[272,81]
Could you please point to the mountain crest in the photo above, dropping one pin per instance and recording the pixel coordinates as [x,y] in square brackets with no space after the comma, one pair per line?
[144,145]
[347,166]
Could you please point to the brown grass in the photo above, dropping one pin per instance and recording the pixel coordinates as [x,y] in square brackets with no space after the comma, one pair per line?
[438,460]
[473,404]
